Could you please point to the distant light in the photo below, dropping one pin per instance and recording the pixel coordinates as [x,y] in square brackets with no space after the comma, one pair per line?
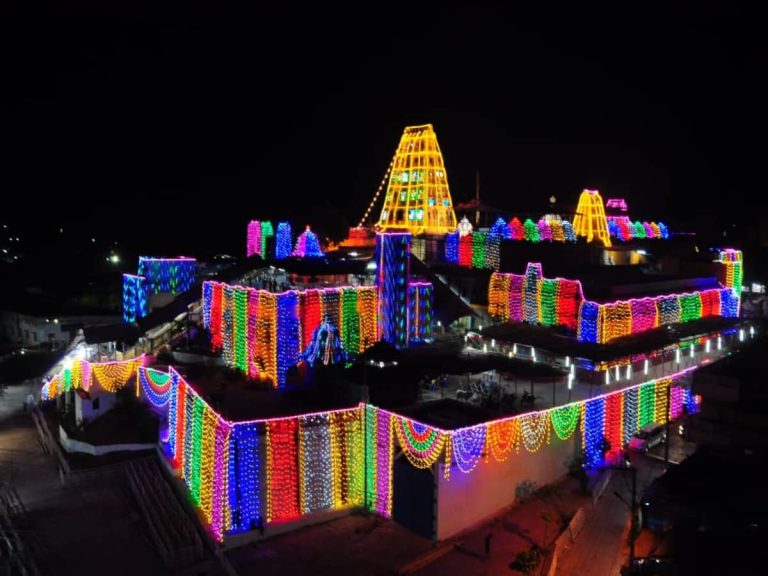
[55,320]
[371,265]
[629,372]
[5,250]
[509,354]
[485,347]
[693,347]
[514,349]
[719,342]
[641,252]
[570,380]
[439,324]
[618,373]
[353,254]
[708,346]
[480,327]
[741,334]
[23,351]
[607,376]
[115,259]
[93,240]
[61,230]
[677,356]
[533,353]
[567,361]
[645,367]
[751,331]
[493,342]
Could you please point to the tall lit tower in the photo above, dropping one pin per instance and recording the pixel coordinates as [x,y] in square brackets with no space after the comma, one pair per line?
[418,198]
[393,271]
[590,220]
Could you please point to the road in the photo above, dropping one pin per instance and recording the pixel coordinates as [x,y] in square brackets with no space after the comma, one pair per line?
[601,548]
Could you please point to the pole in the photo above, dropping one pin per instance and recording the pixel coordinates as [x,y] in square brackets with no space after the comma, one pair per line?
[633,519]
[666,439]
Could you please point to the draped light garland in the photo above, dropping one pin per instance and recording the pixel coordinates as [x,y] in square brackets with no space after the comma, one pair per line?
[344,458]
[421,444]
[155,385]
[565,420]
[468,445]
[109,376]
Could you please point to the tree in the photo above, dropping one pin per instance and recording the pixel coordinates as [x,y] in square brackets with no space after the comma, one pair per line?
[528,560]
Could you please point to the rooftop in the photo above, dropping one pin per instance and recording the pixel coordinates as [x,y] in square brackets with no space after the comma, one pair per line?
[555,340]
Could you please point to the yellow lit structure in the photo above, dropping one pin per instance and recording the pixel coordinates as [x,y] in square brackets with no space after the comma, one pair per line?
[418,199]
[590,220]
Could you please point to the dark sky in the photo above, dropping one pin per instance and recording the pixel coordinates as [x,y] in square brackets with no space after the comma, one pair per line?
[171,127]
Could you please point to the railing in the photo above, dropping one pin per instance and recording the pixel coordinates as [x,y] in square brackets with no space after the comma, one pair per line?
[170,528]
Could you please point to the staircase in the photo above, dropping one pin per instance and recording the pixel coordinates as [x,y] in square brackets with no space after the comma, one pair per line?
[170,528]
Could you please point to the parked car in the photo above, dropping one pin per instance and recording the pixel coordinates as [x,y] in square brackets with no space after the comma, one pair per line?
[648,437]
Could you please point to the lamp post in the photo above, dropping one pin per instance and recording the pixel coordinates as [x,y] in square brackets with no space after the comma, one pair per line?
[632,505]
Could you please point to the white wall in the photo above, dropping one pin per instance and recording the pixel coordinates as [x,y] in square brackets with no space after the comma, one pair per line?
[84,411]
[71,445]
[466,499]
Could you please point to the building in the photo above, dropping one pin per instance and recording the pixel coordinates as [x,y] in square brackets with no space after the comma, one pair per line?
[734,400]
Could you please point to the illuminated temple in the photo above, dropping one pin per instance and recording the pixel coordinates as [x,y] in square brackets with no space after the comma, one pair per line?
[619,312]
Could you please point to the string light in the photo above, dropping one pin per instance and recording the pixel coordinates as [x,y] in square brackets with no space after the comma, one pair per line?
[393,273]
[135,300]
[253,243]
[307,245]
[565,420]
[167,275]
[538,300]
[261,333]
[594,422]
[418,198]
[467,447]
[590,221]
[532,233]
[283,240]
[376,195]
[534,430]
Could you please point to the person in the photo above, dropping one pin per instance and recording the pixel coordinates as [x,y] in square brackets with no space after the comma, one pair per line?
[488,539]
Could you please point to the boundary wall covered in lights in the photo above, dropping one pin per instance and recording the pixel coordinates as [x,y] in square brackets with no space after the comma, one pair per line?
[285,468]
[534,299]
[155,276]
[263,334]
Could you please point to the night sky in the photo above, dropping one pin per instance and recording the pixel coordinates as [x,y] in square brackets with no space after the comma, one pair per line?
[169,128]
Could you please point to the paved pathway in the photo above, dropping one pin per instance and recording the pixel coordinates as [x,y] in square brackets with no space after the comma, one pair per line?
[601,547]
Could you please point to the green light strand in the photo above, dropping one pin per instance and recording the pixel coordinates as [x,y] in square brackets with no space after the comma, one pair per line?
[564,420]
[197,446]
